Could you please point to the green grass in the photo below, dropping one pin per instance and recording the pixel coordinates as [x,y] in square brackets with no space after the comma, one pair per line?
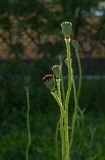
[13,141]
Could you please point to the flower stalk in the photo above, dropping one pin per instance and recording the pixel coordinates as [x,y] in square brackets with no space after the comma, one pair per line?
[61,117]
[56,85]
[28,123]
[67,41]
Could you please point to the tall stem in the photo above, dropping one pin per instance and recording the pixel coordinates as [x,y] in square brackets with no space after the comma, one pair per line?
[28,123]
[61,118]
[69,74]
[80,75]
[63,115]
[80,80]
[74,115]
[67,154]
[56,139]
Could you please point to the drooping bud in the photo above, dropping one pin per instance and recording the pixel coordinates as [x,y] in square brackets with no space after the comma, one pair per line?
[75,45]
[66,29]
[57,71]
[49,82]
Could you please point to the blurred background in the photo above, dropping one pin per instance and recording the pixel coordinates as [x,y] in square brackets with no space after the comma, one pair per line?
[30,43]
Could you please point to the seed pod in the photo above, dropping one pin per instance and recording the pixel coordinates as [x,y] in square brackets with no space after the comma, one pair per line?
[57,71]
[66,29]
[49,82]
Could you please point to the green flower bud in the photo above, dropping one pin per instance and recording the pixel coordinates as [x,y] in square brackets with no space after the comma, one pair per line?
[49,82]
[61,58]
[66,29]
[57,71]
[75,45]
[67,62]
[67,65]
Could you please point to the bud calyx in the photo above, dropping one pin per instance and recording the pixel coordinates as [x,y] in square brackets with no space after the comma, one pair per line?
[57,71]
[66,29]
[49,82]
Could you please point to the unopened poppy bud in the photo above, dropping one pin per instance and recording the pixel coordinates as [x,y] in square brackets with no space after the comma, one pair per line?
[49,82]
[75,44]
[66,29]
[66,61]
[57,71]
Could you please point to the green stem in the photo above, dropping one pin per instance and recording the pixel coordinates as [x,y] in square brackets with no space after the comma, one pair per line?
[28,124]
[80,80]
[67,154]
[56,139]
[74,115]
[62,80]
[69,74]
[61,118]
[59,88]
[62,113]
[58,102]
[80,74]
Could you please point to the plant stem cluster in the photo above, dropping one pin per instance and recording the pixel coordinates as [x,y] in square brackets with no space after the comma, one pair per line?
[56,85]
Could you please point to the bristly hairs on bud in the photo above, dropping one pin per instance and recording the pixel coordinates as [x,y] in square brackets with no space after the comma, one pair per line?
[57,71]
[66,29]
[67,62]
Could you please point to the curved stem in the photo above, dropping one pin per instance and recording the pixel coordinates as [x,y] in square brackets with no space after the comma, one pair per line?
[80,80]
[80,74]
[69,74]
[58,102]
[74,115]
[28,124]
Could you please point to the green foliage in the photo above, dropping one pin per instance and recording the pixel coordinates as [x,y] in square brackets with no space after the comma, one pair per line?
[13,141]
[13,133]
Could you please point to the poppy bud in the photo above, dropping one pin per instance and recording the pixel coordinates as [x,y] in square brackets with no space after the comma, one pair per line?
[75,44]
[67,62]
[66,29]
[49,82]
[57,71]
